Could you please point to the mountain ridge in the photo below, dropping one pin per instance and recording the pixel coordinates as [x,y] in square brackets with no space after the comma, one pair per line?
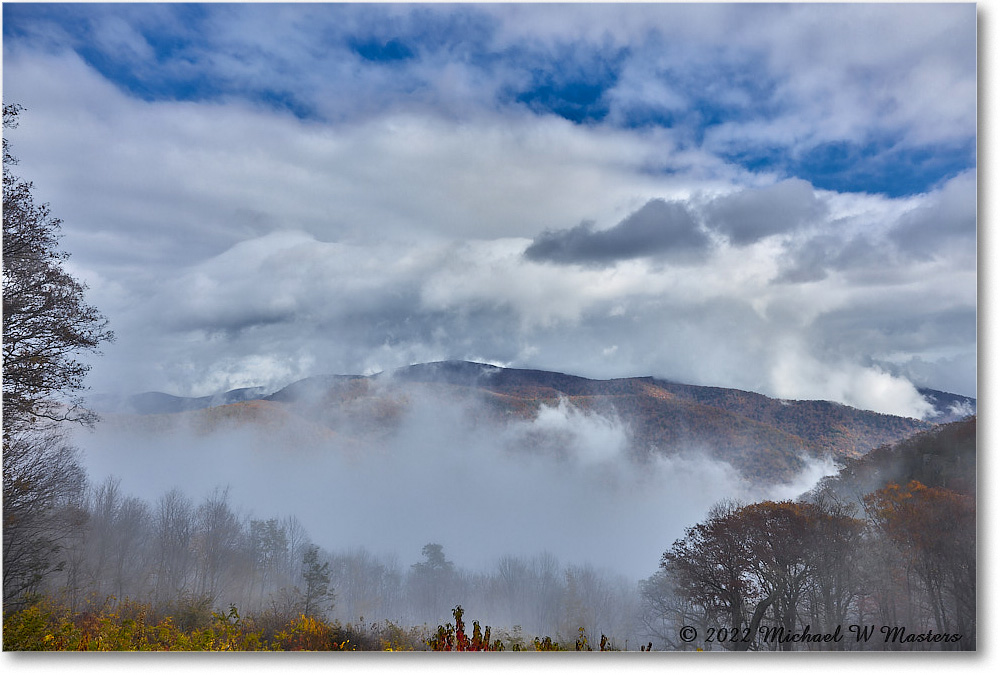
[763,438]
[948,406]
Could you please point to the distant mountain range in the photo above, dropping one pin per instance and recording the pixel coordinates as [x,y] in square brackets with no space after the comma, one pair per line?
[766,439]
[158,403]
[947,407]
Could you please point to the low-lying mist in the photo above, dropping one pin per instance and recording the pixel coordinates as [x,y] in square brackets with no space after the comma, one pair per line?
[564,483]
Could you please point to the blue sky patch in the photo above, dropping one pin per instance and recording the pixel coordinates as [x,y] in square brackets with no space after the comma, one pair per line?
[575,101]
[189,58]
[871,168]
[381,52]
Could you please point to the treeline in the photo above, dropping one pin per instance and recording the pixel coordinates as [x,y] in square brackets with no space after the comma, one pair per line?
[182,558]
[762,576]
[799,575]
[747,577]
[174,551]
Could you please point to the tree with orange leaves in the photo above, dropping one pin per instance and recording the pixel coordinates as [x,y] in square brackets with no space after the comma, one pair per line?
[934,530]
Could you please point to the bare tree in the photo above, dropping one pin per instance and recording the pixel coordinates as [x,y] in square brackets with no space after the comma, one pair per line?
[46,323]
[513,585]
[663,611]
[130,552]
[42,484]
[366,585]
[217,542]
[105,501]
[173,528]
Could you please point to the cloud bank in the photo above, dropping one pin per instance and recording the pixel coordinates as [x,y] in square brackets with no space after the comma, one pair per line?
[563,483]
[780,199]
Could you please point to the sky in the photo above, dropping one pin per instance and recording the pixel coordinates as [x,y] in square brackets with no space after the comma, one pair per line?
[778,198]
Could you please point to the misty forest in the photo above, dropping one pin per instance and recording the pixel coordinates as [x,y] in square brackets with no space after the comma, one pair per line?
[490,327]
[498,488]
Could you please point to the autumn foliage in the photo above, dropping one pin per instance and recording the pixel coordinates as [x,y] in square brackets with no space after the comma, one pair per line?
[934,531]
[132,626]
[791,565]
[453,638]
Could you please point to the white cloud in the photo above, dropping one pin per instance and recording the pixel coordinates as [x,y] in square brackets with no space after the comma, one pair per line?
[226,240]
[797,375]
[849,75]
[564,482]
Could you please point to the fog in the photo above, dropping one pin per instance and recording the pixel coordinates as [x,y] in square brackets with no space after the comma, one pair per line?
[565,482]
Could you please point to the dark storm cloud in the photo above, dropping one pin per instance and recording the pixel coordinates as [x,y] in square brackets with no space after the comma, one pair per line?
[751,215]
[662,229]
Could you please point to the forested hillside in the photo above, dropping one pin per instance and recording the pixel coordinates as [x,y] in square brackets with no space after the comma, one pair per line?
[942,457]
[881,556]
